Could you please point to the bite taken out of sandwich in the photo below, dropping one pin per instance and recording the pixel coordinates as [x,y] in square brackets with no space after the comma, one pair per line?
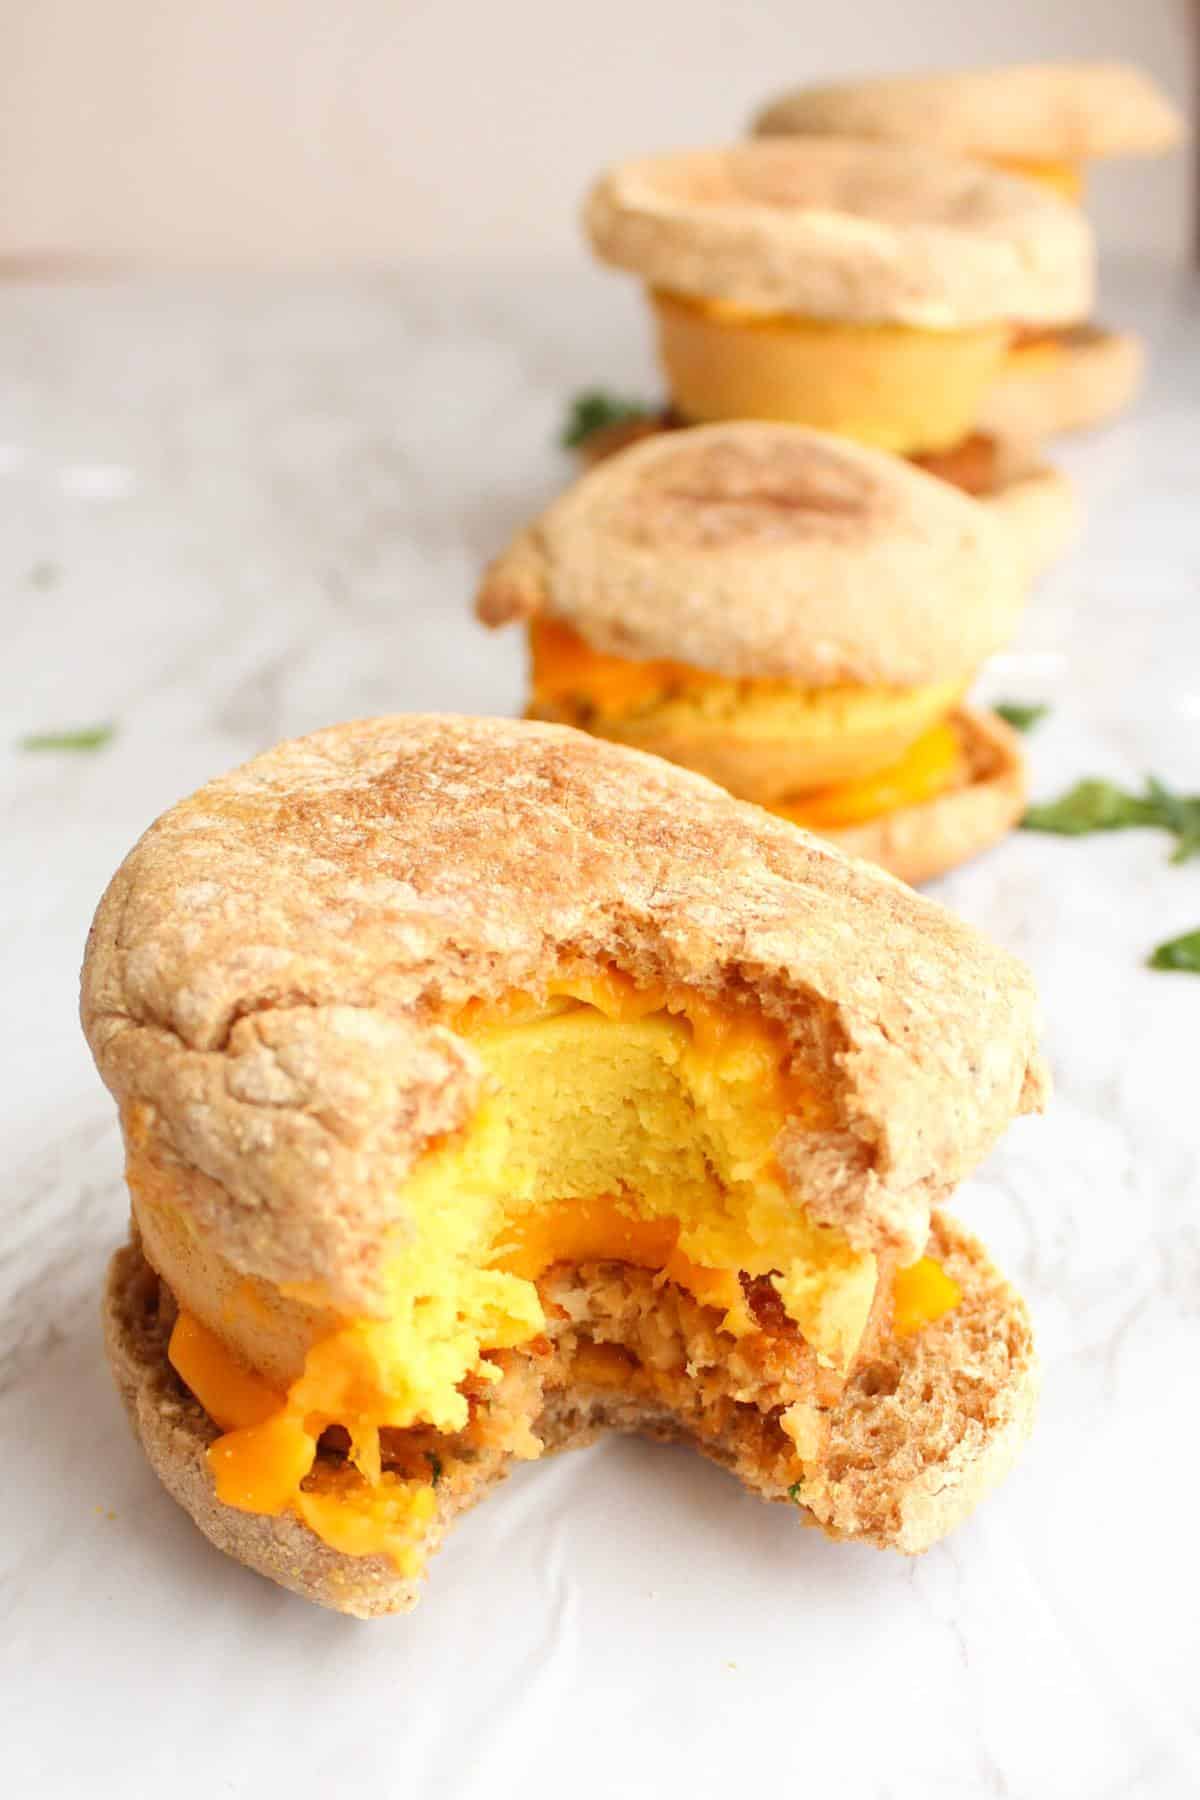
[790,614]
[485,1086]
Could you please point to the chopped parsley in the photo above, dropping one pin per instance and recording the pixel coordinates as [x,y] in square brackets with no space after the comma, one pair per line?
[86,737]
[435,1467]
[593,411]
[794,1494]
[1178,953]
[1020,716]
[1102,806]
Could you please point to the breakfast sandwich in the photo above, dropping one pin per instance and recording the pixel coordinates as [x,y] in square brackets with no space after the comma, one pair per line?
[860,288]
[790,614]
[485,1085]
[1044,122]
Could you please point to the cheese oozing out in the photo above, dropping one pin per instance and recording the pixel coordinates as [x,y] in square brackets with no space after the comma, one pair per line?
[1066,179]
[903,388]
[638,1125]
[819,756]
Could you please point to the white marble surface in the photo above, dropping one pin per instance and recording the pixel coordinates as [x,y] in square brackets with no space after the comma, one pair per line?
[230,513]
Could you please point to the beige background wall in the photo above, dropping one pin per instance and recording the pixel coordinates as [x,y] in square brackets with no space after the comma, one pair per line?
[373,130]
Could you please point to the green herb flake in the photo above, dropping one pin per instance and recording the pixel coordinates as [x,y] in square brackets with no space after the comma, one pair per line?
[1102,806]
[1020,716]
[435,1466]
[1179,813]
[593,411]
[1178,953]
[87,737]
[794,1494]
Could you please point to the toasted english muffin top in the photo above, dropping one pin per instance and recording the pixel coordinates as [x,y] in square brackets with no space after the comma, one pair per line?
[763,550]
[1052,112]
[846,229]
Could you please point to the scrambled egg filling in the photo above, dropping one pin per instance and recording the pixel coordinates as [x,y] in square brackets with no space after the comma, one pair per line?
[900,387]
[619,1123]
[932,765]
[823,757]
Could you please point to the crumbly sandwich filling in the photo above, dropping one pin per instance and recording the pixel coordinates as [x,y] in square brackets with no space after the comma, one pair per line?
[823,757]
[627,1130]
[614,1332]
[902,388]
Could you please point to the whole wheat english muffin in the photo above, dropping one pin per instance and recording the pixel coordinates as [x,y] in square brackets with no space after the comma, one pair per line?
[1035,503]
[844,230]
[790,614]
[1031,112]
[1067,380]
[1043,122]
[483,1083]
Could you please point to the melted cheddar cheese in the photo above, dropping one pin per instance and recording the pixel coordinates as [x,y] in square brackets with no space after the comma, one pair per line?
[602,1231]
[1062,178]
[922,1293]
[565,668]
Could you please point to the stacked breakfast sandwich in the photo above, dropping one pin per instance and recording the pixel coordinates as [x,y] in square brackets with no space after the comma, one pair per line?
[484,1085]
[791,614]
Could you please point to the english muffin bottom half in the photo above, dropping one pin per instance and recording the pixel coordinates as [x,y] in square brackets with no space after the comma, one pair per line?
[790,614]
[1062,381]
[484,1084]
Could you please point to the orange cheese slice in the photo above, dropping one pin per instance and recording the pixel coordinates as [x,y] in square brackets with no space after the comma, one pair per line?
[268,1448]
[231,1394]
[1062,178]
[920,1294]
[385,1520]
[601,1231]
[565,668]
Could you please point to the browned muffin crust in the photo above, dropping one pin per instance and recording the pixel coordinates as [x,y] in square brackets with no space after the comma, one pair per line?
[1039,111]
[1035,503]
[848,229]
[767,550]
